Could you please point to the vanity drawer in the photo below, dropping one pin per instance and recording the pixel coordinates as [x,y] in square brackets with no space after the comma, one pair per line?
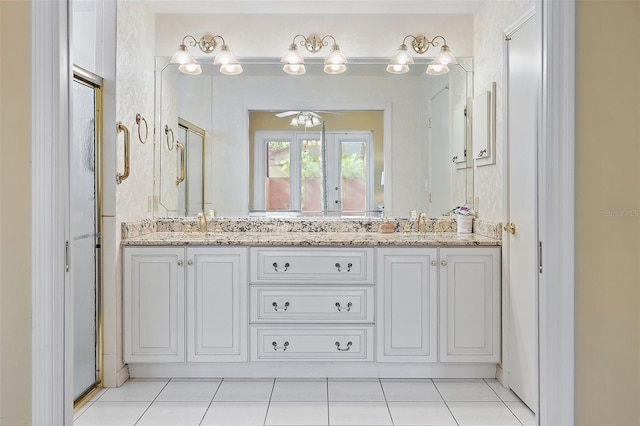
[316,265]
[312,343]
[312,304]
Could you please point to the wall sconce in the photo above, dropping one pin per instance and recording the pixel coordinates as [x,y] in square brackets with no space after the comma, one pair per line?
[334,63]
[400,61]
[188,65]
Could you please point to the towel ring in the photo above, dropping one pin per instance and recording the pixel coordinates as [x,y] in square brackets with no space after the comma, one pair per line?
[140,118]
[168,130]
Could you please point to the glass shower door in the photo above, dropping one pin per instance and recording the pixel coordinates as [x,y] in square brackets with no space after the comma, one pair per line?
[83,241]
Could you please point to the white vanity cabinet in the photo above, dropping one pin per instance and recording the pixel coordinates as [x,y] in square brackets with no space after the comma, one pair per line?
[407,308]
[185,304]
[154,309]
[438,304]
[312,304]
[470,304]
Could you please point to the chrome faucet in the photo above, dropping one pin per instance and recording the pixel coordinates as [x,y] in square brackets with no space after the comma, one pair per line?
[422,223]
[202,222]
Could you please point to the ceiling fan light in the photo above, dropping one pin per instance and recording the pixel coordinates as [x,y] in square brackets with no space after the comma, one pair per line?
[190,69]
[445,57]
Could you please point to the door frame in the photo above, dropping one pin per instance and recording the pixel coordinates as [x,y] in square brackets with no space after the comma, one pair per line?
[51,75]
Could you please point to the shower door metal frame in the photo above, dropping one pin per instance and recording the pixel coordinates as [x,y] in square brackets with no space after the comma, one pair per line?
[95,82]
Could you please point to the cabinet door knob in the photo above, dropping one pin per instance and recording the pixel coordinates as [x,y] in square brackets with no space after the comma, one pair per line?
[345,349]
[434,263]
[189,262]
[283,347]
[179,262]
[443,263]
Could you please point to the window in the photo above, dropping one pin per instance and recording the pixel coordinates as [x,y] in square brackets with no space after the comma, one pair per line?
[289,173]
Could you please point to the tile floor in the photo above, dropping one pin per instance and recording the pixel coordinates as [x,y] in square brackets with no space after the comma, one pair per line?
[280,402]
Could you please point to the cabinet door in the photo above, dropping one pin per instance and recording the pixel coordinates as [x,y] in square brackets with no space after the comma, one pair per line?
[407,305]
[470,304]
[153,298]
[217,304]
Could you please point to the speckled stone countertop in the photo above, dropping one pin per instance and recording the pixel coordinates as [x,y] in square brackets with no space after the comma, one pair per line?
[317,232]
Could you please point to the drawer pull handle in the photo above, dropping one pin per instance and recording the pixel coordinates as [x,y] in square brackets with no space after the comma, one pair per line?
[284,347]
[343,350]
[349,305]
[275,266]
[275,306]
[349,266]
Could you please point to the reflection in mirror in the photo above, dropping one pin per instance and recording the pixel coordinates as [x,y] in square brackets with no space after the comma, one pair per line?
[332,166]
[192,173]
[409,166]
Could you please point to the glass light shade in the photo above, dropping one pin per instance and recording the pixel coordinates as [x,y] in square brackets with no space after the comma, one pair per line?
[335,69]
[437,69]
[335,62]
[292,56]
[397,68]
[294,69]
[402,56]
[190,69]
[225,56]
[294,121]
[445,57]
[182,56]
[231,69]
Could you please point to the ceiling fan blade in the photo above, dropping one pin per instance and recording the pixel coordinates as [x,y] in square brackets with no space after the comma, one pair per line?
[287,113]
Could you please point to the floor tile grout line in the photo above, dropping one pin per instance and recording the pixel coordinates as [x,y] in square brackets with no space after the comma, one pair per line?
[151,403]
[266,414]
[211,402]
[445,403]
[514,414]
[386,402]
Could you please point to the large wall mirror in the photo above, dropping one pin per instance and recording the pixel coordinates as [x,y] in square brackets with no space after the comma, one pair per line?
[362,143]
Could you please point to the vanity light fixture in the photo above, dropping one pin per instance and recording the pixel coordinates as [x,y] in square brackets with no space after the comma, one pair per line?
[334,63]
[188,65]
[400,61]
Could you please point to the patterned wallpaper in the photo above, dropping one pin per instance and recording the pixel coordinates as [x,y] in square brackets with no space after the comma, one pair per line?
[134,94]
[489,25]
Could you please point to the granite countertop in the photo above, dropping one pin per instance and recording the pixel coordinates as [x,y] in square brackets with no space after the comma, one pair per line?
[302,239]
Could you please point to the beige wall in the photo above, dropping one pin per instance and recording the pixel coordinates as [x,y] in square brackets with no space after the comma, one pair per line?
[15,208]
[608,184]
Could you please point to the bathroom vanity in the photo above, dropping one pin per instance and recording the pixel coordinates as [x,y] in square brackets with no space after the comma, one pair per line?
[325,303]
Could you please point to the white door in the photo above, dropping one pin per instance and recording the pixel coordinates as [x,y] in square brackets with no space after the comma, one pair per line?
[521,246]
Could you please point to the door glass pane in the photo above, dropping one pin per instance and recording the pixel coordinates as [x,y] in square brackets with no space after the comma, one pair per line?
[278,179]
[353,178]
[83,237]
[311,190]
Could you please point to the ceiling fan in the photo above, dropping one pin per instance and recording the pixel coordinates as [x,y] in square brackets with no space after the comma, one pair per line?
[302,118]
